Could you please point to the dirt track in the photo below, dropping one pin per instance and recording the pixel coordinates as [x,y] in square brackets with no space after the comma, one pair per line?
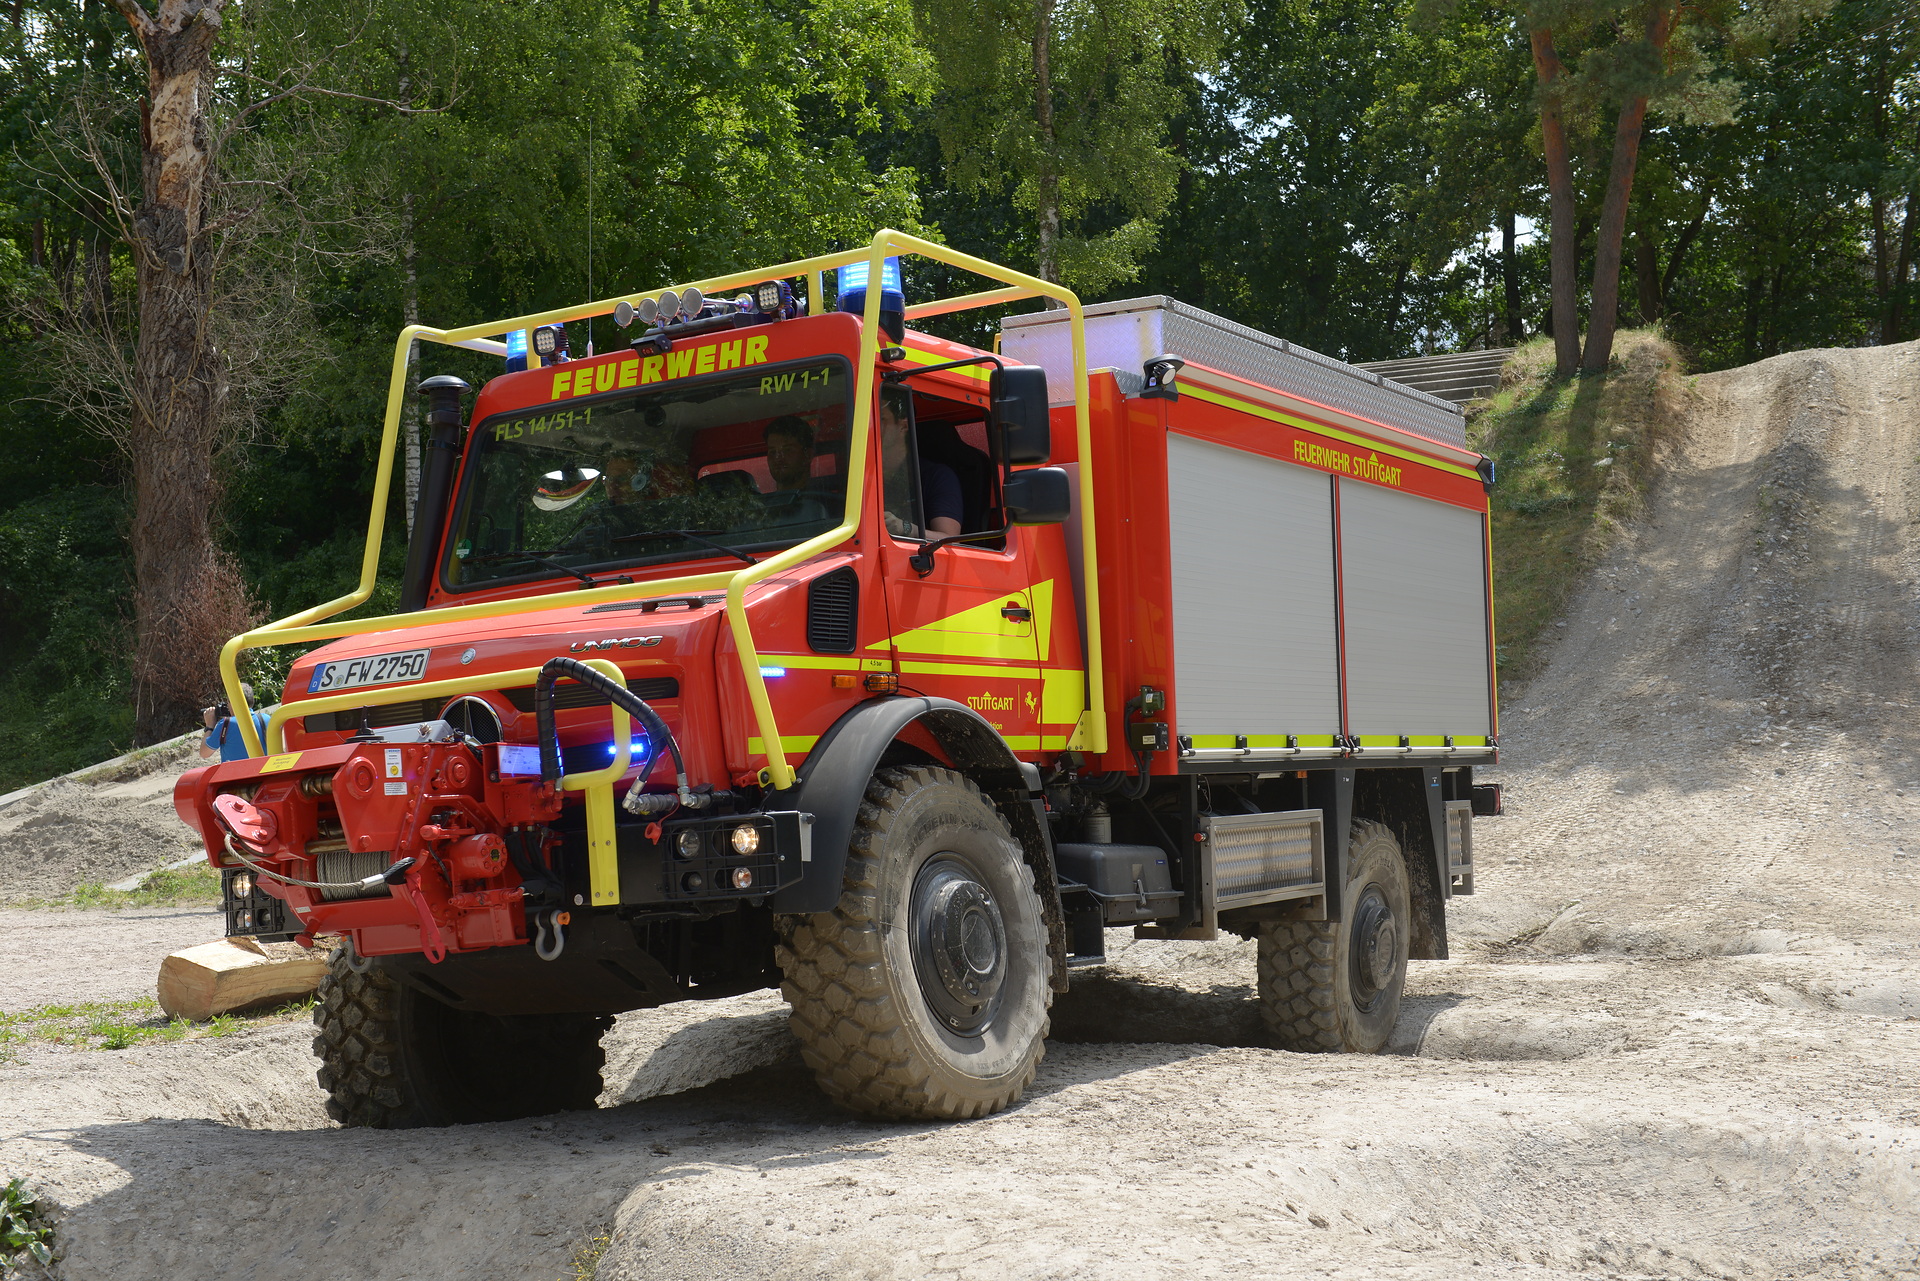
[1680,1037]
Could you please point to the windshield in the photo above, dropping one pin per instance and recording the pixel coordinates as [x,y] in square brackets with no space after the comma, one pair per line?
[737,465]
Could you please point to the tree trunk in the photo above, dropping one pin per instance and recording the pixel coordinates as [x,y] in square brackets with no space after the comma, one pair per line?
[187,596]
[1646,272]
[1680,246]
[1047,184]
[1516,324]
[1563,239]
[1896,322]
[1603,308]
[1882,268]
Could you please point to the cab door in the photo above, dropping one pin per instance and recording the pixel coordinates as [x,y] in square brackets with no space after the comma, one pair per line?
[970,629]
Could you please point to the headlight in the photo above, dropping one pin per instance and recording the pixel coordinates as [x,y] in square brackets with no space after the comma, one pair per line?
[689,844]
[746,839]
[242,885]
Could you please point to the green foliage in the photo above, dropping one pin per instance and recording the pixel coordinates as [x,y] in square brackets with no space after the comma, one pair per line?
[1574,459]
[169,887]
[24,1227]
[1087,146]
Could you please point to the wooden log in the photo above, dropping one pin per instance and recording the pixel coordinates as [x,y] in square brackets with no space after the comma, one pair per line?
[233,974]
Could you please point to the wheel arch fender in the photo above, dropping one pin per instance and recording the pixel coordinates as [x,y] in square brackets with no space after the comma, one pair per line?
[833,783]
[1408,801]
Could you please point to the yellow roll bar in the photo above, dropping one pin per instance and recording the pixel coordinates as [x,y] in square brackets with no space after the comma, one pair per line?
[308,625]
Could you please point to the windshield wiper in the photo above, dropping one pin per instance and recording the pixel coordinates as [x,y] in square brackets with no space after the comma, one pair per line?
[538,558]
[694,535]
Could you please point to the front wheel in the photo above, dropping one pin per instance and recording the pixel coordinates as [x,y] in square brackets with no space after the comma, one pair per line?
[1335,985]
[393,1058]
[924,994]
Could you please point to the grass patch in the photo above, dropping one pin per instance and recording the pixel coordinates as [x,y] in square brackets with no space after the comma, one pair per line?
[196,886]
[121,1025]
[586,1260]
[1575,459]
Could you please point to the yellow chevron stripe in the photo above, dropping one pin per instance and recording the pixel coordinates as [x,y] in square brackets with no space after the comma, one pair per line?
[981,631]
[757,746]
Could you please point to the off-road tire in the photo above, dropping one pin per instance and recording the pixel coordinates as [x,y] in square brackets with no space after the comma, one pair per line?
[393,1058]
[1309,996]
[865,1022]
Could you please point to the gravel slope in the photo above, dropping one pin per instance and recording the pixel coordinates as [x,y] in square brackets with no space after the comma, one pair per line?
[1678,1039]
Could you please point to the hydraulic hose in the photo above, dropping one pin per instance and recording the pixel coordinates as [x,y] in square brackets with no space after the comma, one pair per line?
[658,734]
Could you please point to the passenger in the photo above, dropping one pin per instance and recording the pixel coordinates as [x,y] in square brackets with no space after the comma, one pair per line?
[939,487]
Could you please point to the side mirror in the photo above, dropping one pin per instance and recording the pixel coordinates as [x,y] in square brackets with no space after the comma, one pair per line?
[1042,496]
[1017,422]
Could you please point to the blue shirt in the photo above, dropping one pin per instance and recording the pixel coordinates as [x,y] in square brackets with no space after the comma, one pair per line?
[232,743]
[940,491]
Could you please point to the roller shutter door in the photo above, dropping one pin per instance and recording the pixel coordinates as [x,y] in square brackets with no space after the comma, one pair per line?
[1253,598]
[1414,601]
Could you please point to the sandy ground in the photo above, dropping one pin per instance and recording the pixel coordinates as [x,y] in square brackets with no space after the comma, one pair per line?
[1680,1037]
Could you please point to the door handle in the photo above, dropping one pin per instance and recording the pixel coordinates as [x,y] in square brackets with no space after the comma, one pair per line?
[1016,613]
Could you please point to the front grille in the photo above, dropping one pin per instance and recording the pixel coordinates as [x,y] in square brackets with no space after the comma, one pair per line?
[380,716]
[569,695]
[566,696]
[833,612]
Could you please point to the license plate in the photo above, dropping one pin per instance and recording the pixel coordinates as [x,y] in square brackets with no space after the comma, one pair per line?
[374,669]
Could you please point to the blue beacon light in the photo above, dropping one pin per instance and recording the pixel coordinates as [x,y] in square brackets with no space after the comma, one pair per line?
[850,283]
[637,752]
[516,350]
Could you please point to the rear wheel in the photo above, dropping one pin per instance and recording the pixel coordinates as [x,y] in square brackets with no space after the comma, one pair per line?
[924,994]
[392,1057]
[1335,985]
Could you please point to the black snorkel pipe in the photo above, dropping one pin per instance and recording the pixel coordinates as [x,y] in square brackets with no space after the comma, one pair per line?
[444,422]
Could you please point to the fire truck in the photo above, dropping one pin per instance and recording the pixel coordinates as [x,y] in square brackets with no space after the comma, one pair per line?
[792,646]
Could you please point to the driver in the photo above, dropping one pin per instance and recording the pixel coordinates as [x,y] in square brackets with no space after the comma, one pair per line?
[790,453]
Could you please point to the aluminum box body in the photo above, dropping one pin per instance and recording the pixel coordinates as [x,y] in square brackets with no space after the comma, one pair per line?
[1295,550]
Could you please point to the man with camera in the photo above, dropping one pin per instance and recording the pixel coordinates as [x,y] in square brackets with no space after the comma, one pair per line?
[224,734]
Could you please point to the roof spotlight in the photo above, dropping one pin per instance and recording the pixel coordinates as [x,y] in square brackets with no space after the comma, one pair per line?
[769,296]
[623,314]
[1161,372]
[691,302]
[545,341]
[648,310]
[669,306]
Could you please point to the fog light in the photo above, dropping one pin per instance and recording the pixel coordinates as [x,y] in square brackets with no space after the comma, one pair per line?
[243,920]
[242,884]
[746,839]
[689,844]
[742,878]
[693,882]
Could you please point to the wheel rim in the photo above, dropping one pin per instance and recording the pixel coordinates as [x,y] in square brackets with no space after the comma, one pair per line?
[1374,952]
[959,943]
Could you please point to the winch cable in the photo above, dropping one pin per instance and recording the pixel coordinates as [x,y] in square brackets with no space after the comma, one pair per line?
[392,876]
[658,734]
